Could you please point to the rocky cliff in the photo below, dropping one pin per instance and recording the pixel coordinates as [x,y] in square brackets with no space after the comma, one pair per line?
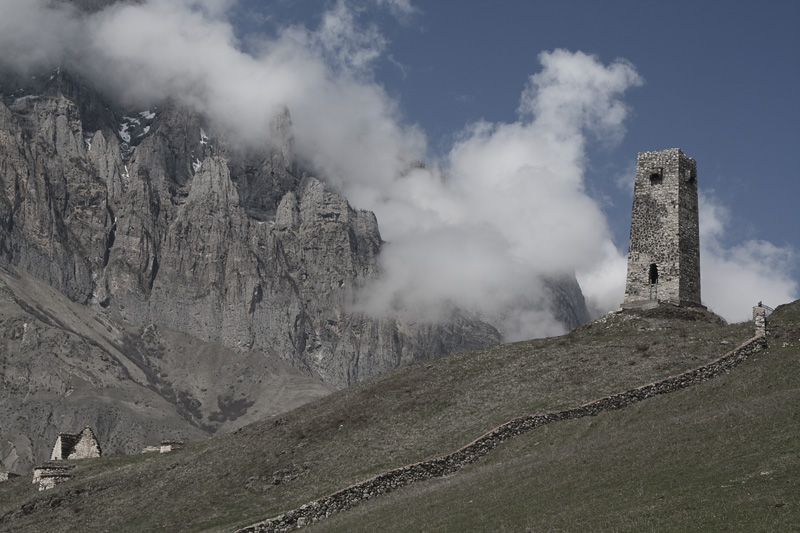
[150,217]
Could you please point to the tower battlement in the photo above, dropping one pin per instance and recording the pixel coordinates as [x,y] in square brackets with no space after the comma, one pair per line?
[664,251]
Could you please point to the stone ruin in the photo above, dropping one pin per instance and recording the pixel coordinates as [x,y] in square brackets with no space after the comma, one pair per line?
[165,446]
[83,445]
[170,445]
[51,473]
[664,251]
[68,446]
[760,314]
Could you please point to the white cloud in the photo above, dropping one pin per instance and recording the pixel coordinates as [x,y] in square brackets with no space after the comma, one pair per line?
[513,209]
[399,7]
[34,36]
[346,45]
[603,283]
[735,278]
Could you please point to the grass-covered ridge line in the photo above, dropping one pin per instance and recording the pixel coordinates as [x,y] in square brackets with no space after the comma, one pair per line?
[448,464]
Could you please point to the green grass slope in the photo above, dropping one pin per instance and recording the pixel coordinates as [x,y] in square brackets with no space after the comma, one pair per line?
[623,470]
[722,456]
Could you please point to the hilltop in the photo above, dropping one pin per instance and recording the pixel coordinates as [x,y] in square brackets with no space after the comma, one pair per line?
[693,457]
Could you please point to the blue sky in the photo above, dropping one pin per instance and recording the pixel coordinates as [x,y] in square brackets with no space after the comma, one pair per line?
[528,114]
[721,82]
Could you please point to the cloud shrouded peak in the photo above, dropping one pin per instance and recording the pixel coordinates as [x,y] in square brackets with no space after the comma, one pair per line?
[480,225]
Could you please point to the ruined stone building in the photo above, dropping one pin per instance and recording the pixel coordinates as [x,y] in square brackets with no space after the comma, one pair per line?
[170,445]
[83,445]
[664,252]
[51,473]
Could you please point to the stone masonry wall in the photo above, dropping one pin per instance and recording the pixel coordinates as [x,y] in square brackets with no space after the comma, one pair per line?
[689,228]
[51,473]
[664,230]
[448,464]
[760,319]
[87,446]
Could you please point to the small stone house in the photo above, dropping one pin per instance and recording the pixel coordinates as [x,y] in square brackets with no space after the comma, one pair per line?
[83,445]
[170,445]
[51,474]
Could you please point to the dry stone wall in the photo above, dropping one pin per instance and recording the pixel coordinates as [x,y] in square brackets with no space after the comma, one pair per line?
[441,466]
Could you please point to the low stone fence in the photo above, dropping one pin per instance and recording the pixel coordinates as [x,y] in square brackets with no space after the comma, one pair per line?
[447,464]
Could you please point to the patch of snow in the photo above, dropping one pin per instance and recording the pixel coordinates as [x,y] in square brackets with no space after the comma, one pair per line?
[203,137]
[197,165]
[145,131]
[147,115]
[128,123]
[127,174]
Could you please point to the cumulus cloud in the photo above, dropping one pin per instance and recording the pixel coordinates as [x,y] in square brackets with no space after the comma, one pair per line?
[736,277]
[512,210]
[603,283]
[34,36]
[399,7]
[483,226]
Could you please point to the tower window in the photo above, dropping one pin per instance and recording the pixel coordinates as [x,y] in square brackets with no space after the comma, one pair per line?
[656,175]
[653,274]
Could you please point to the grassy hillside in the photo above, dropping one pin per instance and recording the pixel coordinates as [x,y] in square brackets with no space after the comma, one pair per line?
[653,463]
[723,456]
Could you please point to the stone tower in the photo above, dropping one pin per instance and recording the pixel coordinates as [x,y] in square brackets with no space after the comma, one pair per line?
[664,252]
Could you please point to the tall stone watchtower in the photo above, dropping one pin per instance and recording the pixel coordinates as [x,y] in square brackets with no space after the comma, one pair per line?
[664,252]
